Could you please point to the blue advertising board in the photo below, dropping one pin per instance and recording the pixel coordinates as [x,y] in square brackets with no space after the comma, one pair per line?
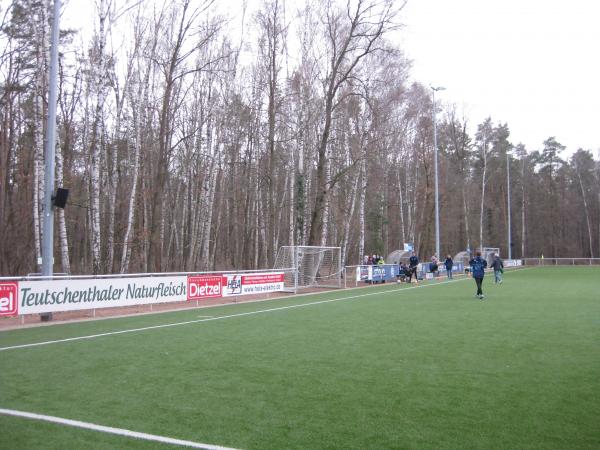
[377,274]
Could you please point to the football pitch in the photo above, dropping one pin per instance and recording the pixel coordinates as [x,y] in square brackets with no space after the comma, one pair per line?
[388,366]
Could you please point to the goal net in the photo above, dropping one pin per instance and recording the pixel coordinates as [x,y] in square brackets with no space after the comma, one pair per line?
[313,266]
[488,253]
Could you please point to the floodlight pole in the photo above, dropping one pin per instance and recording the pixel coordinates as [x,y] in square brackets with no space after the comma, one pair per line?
[508,198]
[435,163]
[48,226]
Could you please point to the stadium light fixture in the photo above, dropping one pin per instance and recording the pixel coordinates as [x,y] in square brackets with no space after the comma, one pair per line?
[435,163]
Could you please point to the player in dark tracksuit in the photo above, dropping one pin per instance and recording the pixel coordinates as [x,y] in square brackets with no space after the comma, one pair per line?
[478,265]
[413,262]
[498,266]
[449,264]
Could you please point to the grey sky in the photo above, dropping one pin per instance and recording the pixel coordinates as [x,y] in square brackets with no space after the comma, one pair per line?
[531,63]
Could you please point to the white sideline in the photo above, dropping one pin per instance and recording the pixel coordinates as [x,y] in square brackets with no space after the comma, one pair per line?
[230,316]
[111,430]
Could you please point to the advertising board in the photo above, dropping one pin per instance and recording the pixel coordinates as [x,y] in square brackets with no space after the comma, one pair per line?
[42,296]
[377,273]
[513,262]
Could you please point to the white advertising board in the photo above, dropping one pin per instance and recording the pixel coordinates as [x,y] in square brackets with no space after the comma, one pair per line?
[41,296]
[512,262]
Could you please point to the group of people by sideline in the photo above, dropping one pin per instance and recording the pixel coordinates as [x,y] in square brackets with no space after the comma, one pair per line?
[373,260]
[477,265]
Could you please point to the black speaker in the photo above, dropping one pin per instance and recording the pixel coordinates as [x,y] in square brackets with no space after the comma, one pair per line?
[60,199]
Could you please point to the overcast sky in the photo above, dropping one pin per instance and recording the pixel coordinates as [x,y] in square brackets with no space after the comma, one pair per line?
[534,64]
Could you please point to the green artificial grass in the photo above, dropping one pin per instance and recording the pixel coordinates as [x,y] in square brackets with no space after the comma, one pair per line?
[430,367]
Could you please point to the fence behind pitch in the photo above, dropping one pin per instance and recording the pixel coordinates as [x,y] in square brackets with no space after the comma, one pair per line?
[561,261]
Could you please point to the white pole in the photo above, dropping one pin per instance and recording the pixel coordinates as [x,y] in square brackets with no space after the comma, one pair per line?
[435,163]
[48,233]
[508,197]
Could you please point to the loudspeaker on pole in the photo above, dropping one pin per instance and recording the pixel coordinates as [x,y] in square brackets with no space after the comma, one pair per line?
[60,199]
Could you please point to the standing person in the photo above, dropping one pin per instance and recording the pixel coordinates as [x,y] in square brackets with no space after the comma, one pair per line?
[478,265]
[433,267]
[413,262]
[498,266]
[449,264]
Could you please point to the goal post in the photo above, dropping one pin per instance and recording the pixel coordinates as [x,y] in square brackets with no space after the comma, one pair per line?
[313,266]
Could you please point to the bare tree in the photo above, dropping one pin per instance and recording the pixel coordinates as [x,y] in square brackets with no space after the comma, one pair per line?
[484,135]
[583,156]
[352,33]
[181,21]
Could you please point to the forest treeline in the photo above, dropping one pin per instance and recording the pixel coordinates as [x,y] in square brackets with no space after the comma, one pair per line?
[189,147]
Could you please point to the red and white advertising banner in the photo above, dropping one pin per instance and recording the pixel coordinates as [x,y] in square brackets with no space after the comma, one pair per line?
[41,296]
[231,284]
[255,283]
[9,293]
[205,286]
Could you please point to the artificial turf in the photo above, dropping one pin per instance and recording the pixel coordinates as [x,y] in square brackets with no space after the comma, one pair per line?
[430,367]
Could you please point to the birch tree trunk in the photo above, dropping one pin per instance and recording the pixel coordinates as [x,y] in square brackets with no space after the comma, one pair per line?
[280,210]
[62,226]
[326,201]
[271,23]
[401,204]
[137,143]
[585,208]
[361,207]
[292,188]
[484,156]
[206,232]
[99,91]
[466,215]
[120,97]
[139,102]
[41,53]
[348,220]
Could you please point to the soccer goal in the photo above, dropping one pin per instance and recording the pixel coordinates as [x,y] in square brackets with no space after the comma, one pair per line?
[313,266]
[488,253]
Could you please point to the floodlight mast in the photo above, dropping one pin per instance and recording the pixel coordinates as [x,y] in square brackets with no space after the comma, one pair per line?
[48,226]
[508,206]
[435,163]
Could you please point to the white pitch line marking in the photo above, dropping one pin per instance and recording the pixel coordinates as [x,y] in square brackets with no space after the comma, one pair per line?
[230,316]
[111,430]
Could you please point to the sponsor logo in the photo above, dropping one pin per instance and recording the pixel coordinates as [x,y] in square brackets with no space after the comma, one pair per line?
[363,273]
[205,286]
[8,298]
[234,284]
[378,271]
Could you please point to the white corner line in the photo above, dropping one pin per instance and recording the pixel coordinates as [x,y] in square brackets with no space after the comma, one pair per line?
[229,316]
[111,430]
